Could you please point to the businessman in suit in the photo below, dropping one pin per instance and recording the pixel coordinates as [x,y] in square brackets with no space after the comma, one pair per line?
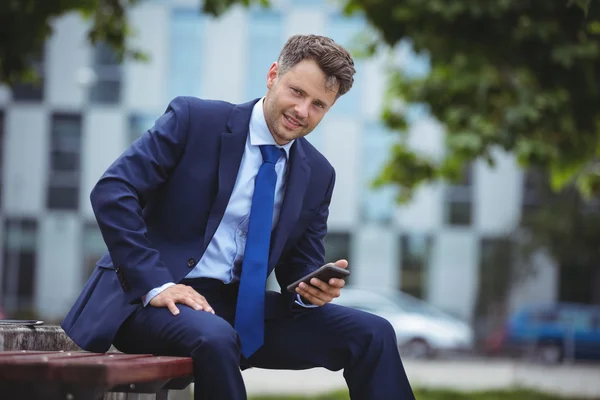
[201,209]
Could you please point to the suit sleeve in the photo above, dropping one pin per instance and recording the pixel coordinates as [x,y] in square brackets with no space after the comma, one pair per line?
[309,253]
[119,197]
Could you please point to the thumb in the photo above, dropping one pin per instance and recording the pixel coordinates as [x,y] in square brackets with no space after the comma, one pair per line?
[341,263]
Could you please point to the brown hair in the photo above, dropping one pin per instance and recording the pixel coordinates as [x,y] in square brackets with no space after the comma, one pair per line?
[334,60]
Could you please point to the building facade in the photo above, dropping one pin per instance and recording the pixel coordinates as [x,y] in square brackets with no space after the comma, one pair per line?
[57,139]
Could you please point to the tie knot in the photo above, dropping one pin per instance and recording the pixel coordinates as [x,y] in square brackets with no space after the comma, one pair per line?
[271,153]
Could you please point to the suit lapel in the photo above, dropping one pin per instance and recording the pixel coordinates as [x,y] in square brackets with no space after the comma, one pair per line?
[297,182]
[233,143]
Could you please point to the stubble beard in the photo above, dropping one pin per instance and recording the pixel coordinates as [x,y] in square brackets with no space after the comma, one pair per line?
[271,117]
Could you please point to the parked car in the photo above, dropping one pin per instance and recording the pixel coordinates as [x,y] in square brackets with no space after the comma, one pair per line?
[549,333]
[421,329]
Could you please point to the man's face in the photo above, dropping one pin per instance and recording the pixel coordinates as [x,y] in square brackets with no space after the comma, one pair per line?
[297,100]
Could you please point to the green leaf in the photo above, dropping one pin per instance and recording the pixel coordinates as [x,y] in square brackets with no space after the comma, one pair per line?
[528,83]
[583,4]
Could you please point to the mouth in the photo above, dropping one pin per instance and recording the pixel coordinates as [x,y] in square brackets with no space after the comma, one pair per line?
[292,122]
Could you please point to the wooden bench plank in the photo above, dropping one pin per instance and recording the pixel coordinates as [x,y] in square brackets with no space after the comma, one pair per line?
[19,357]
[34,365]
[119,371]
[28,353]
[29,366]
[109,369]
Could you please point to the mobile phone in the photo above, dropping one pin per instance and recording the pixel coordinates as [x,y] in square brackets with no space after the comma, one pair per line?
[325,273]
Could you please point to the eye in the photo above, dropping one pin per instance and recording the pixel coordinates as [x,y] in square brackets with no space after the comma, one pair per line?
[296,91]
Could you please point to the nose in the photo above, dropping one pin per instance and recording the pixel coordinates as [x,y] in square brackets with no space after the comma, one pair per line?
[301,109]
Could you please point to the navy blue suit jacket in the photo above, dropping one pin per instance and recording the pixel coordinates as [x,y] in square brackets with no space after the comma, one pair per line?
[159,204]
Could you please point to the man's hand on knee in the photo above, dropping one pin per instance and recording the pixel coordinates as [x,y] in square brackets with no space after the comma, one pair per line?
[181,294]
[320,292]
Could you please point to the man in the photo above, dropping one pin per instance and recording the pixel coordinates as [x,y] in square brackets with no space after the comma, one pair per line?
[201,209]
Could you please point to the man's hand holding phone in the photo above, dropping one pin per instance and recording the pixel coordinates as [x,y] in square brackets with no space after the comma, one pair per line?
[319,292]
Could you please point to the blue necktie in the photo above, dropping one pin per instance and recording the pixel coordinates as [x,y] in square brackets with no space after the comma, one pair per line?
[250,311]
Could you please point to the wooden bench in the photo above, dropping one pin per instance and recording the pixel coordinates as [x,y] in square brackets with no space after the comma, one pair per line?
[74,375]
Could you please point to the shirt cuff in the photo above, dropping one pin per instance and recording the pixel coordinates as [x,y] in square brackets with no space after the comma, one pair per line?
[303,304]
[147,298]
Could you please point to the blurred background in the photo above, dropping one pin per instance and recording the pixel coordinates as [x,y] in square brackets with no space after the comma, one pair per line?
[479,125]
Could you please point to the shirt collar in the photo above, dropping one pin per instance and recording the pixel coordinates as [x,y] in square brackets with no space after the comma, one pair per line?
[259,131]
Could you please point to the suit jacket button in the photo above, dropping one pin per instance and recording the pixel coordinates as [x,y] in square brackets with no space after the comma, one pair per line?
[191,262]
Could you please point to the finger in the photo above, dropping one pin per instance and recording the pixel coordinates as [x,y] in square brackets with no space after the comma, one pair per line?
[337,283]
[330,290]
[198,303]
[183,297]
[197,298]
[172,307]
[202,301]
[206,306]
[314,293]
[310,297]
[323,286]
[189,301]
[341,263]
[311,288]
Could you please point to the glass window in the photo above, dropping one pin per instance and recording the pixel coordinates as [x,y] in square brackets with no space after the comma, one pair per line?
[415,255]
[459,213]
[337,247]
[107,85]
[265,42]
[138,124]
[105,91]
[104,56]
[495,268]
[63,198]
[65,149]
[378,205]
[185,62]
[459,200]
[31,91]
[19,265]
[536,188]
[344,31]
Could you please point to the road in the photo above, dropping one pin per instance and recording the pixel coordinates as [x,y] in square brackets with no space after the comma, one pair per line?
[567,379]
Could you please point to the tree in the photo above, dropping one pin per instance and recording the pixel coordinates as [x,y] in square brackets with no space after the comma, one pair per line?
[568,227]
[517,75]
[522,76]
[25,26]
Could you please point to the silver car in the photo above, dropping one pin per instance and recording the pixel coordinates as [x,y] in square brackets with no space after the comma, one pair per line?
[421,329]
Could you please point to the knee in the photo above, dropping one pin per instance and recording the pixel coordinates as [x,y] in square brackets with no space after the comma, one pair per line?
[220,338]
[202,335]
[379,330]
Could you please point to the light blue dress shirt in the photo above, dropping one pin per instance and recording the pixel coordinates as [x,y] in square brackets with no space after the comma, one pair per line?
[223,257]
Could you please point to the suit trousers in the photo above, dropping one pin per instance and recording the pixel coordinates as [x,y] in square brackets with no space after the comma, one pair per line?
[333,337]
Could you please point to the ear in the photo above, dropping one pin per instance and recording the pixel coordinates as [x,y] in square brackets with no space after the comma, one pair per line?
[272,75]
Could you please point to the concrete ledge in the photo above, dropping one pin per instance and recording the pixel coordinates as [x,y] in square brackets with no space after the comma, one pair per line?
[40,337]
